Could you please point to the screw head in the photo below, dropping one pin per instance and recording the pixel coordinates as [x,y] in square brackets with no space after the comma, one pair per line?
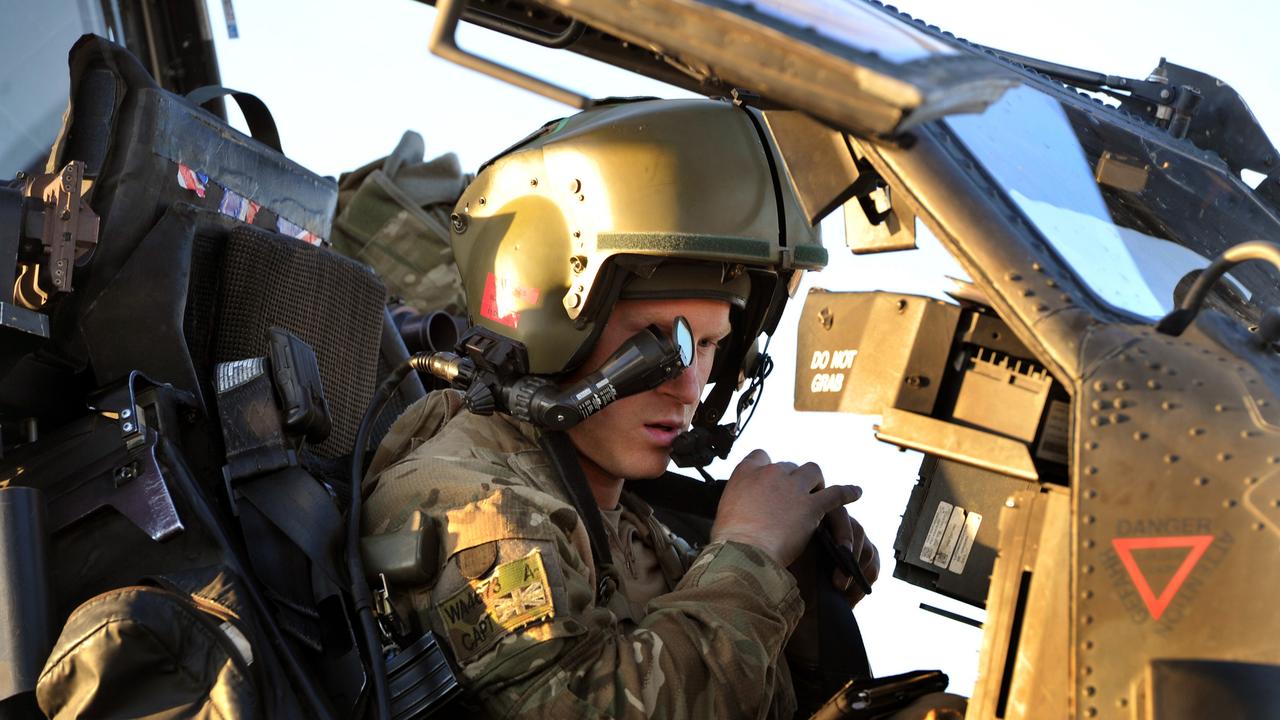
[124,474]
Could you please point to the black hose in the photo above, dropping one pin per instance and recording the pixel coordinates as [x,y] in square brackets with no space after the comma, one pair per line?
[355,565]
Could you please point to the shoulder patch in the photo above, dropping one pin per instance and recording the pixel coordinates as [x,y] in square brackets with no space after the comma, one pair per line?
[515,594]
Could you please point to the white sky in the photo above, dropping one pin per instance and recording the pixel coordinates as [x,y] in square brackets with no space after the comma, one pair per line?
[345,79]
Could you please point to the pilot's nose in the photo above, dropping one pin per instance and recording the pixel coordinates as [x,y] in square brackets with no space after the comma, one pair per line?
[684,387]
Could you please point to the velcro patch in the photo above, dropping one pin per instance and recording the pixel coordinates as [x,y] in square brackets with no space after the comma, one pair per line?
[513,595]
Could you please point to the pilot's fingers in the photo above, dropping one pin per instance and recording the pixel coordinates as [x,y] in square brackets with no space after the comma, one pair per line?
[848,533]
[808,476]
[828,499]
[755,459]
[869,561]
[845,530]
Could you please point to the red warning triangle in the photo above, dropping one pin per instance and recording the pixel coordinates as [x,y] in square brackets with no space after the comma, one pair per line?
[1125,547]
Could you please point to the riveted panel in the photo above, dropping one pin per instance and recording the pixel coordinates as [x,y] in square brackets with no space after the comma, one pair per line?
[1176,500]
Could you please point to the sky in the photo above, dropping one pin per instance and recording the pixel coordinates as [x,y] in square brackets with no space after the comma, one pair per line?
[345,80]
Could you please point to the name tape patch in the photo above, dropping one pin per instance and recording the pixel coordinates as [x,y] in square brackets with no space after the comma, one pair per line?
[512,596]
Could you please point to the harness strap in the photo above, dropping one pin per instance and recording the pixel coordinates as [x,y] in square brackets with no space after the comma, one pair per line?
[564,461]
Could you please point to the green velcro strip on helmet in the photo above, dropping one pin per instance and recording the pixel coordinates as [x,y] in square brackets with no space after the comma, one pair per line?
[686,244]
[810,256]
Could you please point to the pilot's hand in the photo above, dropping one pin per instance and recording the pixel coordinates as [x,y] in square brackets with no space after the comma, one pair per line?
[848,532]
[777,506]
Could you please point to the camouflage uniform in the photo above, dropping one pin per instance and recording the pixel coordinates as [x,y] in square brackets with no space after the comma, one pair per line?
[515,595]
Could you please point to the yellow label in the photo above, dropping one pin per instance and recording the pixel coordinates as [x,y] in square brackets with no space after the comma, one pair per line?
[512,596]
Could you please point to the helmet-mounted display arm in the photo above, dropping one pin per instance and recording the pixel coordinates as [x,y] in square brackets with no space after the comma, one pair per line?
[493,373]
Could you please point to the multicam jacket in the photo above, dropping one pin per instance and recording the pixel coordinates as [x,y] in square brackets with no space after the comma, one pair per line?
[514,595]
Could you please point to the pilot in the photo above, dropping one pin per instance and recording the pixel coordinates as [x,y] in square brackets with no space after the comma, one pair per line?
[596,226]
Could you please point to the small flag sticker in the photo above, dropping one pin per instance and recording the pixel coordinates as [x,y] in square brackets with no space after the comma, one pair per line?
[189,179]
[284,227]
[238,206]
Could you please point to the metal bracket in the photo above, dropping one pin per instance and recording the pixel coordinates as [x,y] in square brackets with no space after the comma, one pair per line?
[957,442]
[1177,321]
[108,459]
[137,490]
[120,404]
[68,231]
[443,42]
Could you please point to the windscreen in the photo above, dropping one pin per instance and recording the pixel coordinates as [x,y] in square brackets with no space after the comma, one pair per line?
[1135,220]
[861,28]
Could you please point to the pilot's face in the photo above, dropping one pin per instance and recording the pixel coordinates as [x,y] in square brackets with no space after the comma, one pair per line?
[632,437]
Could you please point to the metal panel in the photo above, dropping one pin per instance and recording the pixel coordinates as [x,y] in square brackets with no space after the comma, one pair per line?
[1177,478]
[819,161]
[912,342]
[943,487]
[956,442]
[1021,674]
[856,66]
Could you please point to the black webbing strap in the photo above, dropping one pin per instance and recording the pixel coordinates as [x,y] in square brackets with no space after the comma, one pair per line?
[564,460]
[290,524]
[291,529]
[300,508]
[285,574]
[256,115]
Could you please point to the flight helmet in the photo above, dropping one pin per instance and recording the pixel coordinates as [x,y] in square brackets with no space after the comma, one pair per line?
[643,199]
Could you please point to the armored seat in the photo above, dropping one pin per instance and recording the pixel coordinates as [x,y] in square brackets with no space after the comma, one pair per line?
[208,240]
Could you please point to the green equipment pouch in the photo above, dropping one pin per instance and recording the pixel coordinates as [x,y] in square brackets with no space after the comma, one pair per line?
[177,646]
[393,215]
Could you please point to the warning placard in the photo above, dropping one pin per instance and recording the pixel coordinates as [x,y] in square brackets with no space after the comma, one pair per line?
[1156,604]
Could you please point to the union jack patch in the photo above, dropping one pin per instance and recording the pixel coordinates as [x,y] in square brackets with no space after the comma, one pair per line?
[189,179]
